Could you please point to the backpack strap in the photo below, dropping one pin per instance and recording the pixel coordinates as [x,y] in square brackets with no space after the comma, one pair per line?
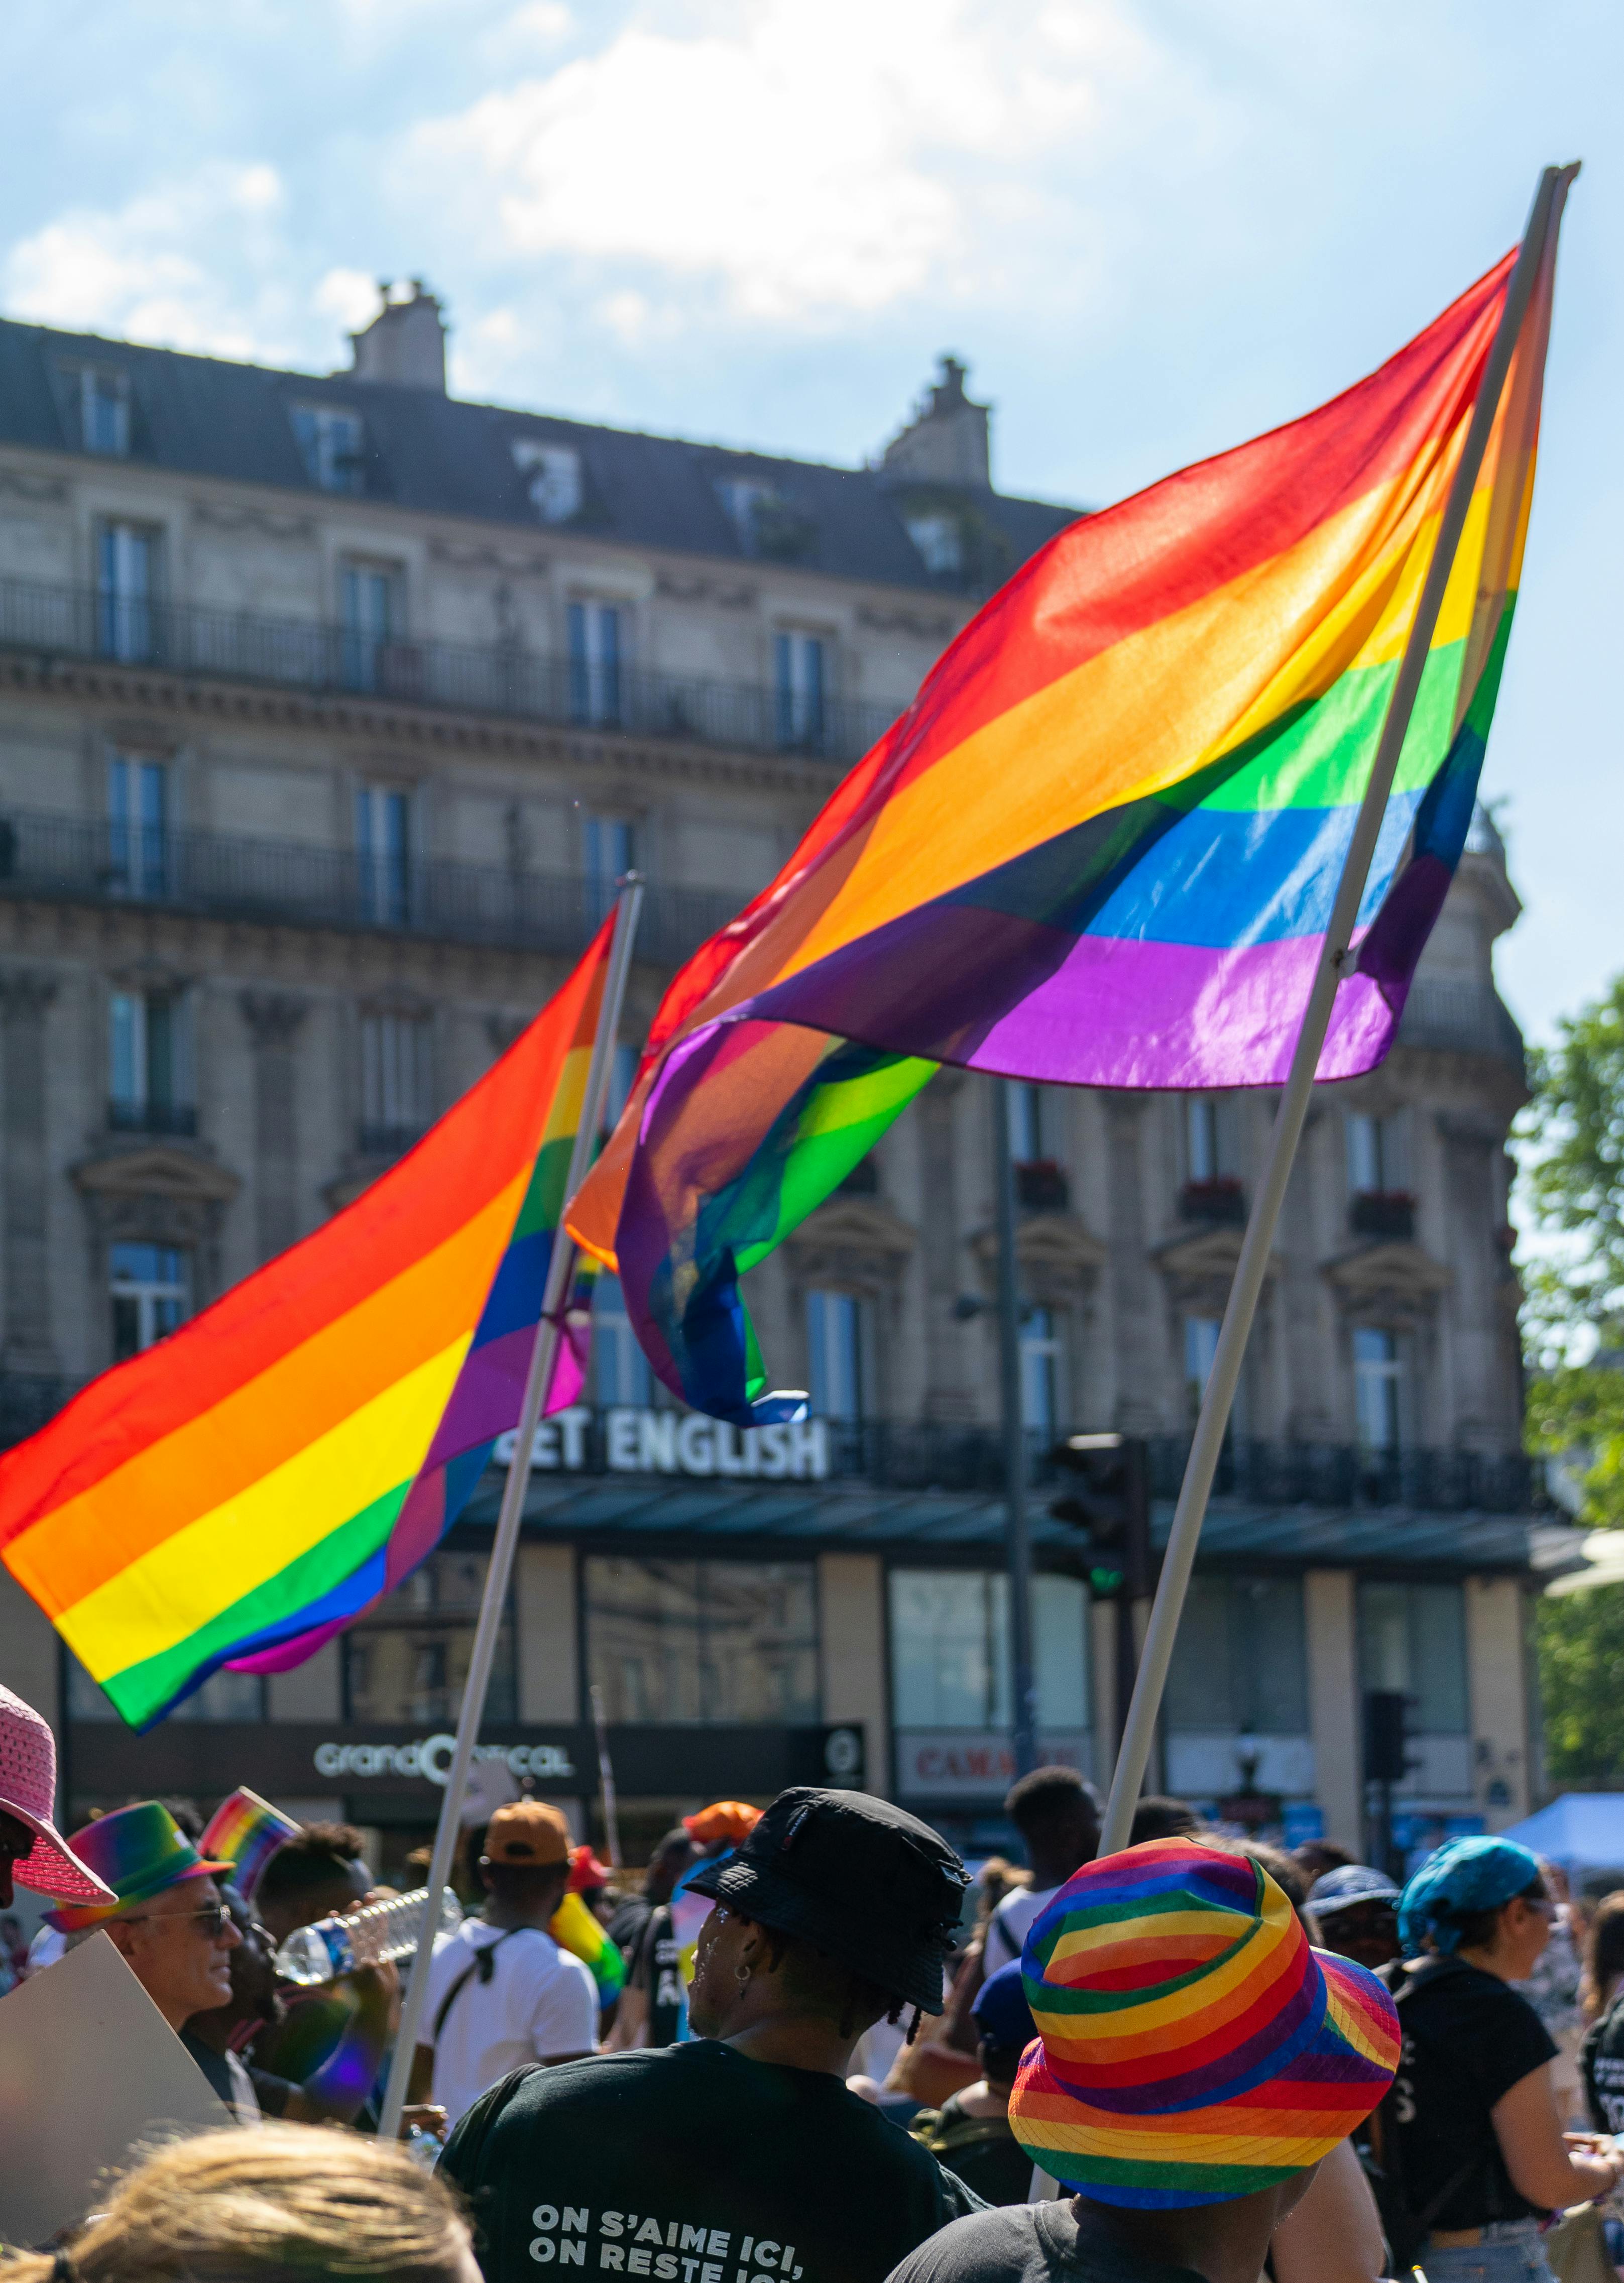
[483,1964]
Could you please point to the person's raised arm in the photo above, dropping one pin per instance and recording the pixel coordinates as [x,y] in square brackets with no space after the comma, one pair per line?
[333,2094]
[1547,2169]
[1333,2235]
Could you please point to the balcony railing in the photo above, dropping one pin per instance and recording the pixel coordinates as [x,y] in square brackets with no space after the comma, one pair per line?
[1388,1213]
[490,678]
[173,1118]
[282,883]
[1220,1202]
[1041,1186]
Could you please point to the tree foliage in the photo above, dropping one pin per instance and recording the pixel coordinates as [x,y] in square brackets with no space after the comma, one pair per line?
[1581,1643]
[1574,1173]
[1576,1413]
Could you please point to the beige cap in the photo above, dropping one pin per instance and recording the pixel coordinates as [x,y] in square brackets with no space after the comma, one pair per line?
[528,1833]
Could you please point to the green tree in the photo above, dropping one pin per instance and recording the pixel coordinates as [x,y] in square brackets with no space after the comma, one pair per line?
[1579,1639]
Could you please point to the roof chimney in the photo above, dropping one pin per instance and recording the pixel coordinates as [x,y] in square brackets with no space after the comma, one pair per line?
[406,341]
[947,440]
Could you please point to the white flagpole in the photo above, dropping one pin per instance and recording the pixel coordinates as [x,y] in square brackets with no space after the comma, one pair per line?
[559,1271]
[1133,1752]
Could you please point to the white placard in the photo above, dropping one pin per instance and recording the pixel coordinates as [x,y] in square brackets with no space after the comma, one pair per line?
[88,2067]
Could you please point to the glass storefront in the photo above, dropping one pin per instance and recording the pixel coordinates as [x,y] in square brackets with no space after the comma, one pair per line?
[700,1643]
[408,1659]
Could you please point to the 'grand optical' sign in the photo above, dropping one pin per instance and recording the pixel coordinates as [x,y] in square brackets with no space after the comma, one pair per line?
[429,1757]
[624,1441]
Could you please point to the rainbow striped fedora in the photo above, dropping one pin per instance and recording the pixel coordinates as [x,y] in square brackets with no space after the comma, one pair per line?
[1192,2045]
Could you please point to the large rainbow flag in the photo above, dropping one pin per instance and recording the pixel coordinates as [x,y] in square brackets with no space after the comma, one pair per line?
[248,1487]
[1103,845]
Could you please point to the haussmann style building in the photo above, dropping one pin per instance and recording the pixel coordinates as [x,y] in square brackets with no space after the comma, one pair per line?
[331,709]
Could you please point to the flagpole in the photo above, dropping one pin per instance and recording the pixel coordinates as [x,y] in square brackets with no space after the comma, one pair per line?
[494,1601]
[1133,1752]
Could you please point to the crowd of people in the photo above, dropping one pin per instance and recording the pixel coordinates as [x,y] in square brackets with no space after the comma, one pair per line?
[824,2050]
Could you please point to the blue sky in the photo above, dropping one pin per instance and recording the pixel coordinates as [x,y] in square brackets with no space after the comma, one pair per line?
[1152,229]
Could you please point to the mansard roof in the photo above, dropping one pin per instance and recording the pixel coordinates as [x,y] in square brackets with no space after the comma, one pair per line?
[437,454]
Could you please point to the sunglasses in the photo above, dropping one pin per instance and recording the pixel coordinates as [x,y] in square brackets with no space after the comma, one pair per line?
[214,1919]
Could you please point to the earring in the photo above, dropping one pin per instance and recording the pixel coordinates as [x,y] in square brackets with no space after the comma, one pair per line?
[741,1976]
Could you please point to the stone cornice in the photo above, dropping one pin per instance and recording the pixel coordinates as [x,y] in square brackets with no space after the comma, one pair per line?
[156,1169]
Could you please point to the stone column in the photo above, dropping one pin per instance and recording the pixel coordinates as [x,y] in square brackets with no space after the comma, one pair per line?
[1330,1621]
[25,995]
[273,1018]
[851,1653]
[544,1596]
[1485,1412]
[1497,1675]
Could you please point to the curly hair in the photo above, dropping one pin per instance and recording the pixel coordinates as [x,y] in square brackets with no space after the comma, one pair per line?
[288,2203]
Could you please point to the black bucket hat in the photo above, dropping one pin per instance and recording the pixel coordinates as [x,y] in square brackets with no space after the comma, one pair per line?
[865,1882]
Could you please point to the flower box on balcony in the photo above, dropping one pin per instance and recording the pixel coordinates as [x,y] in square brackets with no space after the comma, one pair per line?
[1221,1199]
[1041,1186]
[1383,1213]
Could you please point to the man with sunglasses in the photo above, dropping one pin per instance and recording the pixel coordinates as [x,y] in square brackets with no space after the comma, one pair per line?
[169,1922]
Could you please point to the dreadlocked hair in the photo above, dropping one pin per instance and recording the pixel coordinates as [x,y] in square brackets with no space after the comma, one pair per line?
[823,1986]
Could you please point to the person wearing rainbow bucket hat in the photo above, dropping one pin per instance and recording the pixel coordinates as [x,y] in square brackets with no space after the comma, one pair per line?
[1195,2061]
[167,1916]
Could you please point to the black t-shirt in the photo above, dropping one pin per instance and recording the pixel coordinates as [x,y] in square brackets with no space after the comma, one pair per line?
[1467,2039]
[1030,2243]
[657,1968]
[626,1926]
[981,2150]
[693,2164]
[1601,2062]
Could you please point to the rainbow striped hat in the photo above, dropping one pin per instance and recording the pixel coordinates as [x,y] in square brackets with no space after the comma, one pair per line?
[1193,2047]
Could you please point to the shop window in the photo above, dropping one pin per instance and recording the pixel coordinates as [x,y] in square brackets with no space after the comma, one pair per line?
[697,1643]
[396,1082]
[407,1660]
[1412,1638]
[126,590]
[838,1348]
[149,1088]
[384,854]
[223,1697]
[621,1372]
[137,826]
[1241,1662]
[949,1649]
[597,650]
[152,1295]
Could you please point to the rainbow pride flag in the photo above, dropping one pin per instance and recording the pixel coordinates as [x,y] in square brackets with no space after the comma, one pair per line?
[1102,846]
[575,1930]
[248,1487]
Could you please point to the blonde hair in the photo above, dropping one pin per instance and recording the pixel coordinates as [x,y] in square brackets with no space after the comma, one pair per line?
[291,2202]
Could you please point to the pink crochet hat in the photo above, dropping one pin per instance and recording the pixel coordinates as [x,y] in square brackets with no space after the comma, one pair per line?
[28,1791]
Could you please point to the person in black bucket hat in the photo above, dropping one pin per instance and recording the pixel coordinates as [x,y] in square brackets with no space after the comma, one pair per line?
[742,2153]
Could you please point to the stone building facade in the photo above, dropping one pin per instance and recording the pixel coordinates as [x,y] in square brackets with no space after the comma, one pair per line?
[331,709]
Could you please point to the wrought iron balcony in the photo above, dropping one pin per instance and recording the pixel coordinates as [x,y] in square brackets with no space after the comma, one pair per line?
[169,1117]
[1220,1202]
[1041,1186]
[283,883]
[501,678]
[1388,1213]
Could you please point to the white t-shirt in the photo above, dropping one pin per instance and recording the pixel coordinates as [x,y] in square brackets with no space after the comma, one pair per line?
[1010,1925]
[539,2004]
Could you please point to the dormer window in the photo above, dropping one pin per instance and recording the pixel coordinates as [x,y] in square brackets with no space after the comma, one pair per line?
[102,395]
[553,483]
[940,544]
[331,440]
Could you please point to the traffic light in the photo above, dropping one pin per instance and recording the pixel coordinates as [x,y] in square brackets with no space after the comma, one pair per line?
[1108,1498]
[1386,1759]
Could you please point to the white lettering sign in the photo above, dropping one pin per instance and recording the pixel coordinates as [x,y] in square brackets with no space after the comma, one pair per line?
[679,1443]
[430,1758]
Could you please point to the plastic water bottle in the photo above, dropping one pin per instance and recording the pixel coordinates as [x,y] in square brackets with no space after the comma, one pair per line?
[371,1936]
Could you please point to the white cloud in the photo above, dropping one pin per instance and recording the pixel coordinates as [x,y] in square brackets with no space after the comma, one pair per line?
[347,296]
[810,160]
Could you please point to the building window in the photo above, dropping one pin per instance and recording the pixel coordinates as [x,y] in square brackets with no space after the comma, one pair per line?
[1241,1662]
[330,443]
[552,485]
[608,848]
[838,1348]
[597,651]
[1201,1350]
[152,1295]
[126,590]
[384,851]
[622,1078]
[621,1371]
[950,1650]
[940,542]
[407,1660]
[137,826]
[1028,1140]
[693,1643]
[371,620]
[223,1697]
[1412,1638]
[1201,1138]
[396,1082]
[799,685]
[1378,1387]
[149,1088]
[104,410]
[1376,1157]
[1040,1370]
